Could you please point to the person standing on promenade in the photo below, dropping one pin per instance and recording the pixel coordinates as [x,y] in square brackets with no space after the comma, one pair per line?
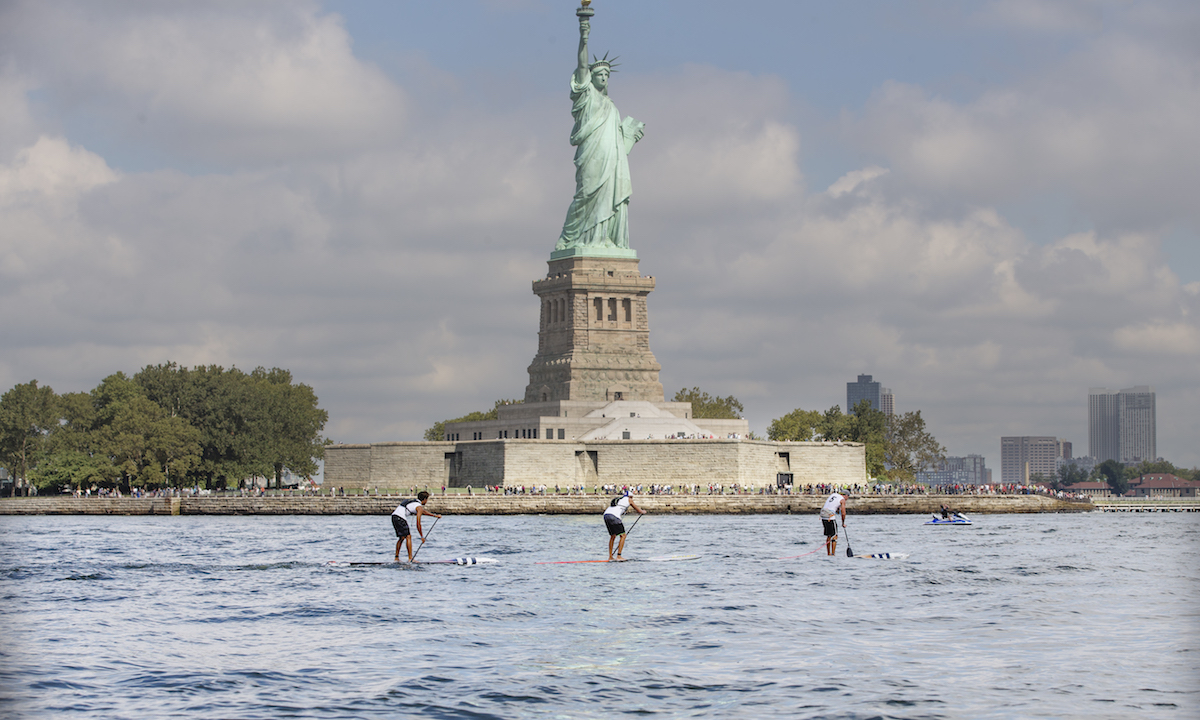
[400,517]
[612,520]
[834,504]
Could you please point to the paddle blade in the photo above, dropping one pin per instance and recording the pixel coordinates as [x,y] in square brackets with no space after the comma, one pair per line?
[849,552]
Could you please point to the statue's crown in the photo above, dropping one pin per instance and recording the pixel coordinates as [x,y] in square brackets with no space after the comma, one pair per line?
[603,62]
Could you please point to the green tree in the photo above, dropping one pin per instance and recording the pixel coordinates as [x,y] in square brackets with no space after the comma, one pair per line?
[706,406]
[797,426]
[261,423]
[835,426]
[438,431]
[1113,473]
[869,427]
[72,469]
[148,447]
[865,425]
[28,414]
[909,448]
[1069,474]
[74,457]
[1148,467]
[293,423]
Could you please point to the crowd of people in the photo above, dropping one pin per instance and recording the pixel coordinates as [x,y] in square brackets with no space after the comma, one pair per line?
[878,488]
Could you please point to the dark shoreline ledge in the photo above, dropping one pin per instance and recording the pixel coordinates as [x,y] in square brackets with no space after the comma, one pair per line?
[484,504]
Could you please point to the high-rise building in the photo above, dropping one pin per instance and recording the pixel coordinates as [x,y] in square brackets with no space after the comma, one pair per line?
[864,389]
[1121,425]
[1135,408]
[1023,457]
[1103,425]
[887,402]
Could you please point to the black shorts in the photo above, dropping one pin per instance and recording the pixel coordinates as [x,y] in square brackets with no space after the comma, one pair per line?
[614,524]
[401,526]
[830,527]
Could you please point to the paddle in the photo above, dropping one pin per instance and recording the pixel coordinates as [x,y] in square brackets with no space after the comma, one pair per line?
[849,552]
[631,527]
[431,527]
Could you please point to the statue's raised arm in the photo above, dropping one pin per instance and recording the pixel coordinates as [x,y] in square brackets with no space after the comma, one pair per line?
[581,71]
[598,216]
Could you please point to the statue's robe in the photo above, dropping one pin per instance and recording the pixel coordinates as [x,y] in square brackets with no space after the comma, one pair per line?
[598,215]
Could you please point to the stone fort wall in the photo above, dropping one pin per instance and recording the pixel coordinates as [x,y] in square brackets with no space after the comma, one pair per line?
[749,463]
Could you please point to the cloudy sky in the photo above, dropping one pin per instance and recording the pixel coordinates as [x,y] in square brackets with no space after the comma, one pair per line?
[989,206]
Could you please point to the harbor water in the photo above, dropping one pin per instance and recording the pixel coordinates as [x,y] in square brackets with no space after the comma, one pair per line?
[1018,616]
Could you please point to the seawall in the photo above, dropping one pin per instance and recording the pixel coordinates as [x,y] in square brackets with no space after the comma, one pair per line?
[483,504]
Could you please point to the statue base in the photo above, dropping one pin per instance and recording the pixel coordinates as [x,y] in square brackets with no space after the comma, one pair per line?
[598,252]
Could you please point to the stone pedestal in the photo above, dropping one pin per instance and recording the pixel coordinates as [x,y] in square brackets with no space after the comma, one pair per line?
[594,334]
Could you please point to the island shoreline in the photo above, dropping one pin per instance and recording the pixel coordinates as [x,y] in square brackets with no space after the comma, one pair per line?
[493,504]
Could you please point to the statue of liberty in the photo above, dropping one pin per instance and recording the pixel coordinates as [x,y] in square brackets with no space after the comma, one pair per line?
[599,212]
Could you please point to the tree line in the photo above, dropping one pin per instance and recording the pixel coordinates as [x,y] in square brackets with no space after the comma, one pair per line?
[1115,473]
[167,426]
[897,446]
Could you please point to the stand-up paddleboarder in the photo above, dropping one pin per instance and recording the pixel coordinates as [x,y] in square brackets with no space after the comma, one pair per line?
[834,504]
[612,520]
[400,516]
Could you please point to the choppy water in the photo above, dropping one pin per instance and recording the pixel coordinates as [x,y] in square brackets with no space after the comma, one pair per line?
[1038,616]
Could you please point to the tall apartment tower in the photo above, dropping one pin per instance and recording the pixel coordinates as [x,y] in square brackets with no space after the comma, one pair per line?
[1022,457]
[1121,425]
[1135,408]
[864,389]
[1103,425]
[887,402]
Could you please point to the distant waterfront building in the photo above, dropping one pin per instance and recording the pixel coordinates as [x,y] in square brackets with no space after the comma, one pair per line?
[864,389]
[1122,425]
[965,470]
[1162,485]
[1023,457]
[887,402]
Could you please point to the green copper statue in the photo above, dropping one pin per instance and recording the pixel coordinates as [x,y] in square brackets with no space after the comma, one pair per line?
[599,214]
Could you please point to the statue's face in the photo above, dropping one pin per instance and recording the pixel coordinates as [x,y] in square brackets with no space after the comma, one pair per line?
[600,80]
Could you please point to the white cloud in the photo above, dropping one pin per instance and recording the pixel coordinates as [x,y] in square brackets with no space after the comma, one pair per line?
[1111,128]
[700,158]
[1161,338]
[51,168]
[851,181]
[215,83]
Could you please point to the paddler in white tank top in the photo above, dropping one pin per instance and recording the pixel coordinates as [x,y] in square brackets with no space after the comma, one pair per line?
[834,504]
[612,520]
[410,510]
